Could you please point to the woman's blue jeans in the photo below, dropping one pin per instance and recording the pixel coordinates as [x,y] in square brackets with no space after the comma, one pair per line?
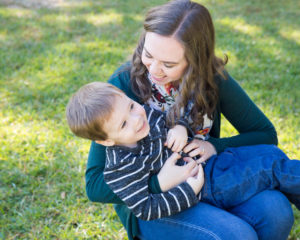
[266,215]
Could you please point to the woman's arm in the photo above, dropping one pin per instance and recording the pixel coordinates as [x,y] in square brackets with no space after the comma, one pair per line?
[96,188]
[251,123]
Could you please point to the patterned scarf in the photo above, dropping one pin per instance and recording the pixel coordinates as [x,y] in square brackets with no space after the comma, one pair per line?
[163,98]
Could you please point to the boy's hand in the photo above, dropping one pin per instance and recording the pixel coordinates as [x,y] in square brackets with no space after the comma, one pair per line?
[171,175]
[177,138]
[197,181]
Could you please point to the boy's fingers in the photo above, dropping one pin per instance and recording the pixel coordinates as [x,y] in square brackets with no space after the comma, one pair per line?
[195,170]
[181,146]
[173,158]
[170,142]
[168,139]
[190,165]
[202,159]
[188,159]
[175,147]
[200,171]
[200,175]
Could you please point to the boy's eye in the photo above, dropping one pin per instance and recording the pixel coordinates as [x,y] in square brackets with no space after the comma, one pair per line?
[131,106]
[123,124]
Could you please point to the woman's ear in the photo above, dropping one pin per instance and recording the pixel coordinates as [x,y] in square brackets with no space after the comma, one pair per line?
[106,143]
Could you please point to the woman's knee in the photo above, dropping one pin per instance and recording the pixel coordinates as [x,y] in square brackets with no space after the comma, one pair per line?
[270,214]
[200,222]
[170,229]
[278,213]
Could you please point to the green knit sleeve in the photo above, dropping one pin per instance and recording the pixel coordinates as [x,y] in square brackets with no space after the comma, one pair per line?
[250,122]
[96,188]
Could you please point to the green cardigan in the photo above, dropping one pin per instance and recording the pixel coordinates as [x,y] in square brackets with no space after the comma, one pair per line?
[253,127]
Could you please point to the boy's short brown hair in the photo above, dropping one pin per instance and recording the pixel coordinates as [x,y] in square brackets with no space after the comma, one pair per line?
[89,108]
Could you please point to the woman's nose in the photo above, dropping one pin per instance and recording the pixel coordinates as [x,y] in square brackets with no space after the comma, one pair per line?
[155,68]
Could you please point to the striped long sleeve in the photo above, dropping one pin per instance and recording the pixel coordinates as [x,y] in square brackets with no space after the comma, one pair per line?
[128,171]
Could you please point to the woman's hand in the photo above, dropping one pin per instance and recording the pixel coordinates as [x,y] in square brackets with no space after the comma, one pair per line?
[199,147]
[171,175]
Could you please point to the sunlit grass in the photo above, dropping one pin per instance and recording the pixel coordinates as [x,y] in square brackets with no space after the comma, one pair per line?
[48,53]
[291,34]
[239,24]
[98,20]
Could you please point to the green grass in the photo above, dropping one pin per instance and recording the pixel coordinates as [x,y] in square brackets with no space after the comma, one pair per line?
[48,53]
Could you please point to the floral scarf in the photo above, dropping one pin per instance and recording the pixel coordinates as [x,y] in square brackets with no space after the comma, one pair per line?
[163,98]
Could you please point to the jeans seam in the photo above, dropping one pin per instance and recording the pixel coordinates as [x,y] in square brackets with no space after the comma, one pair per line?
[192,226]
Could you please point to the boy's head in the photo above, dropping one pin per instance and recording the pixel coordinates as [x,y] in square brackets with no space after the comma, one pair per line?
[103,113]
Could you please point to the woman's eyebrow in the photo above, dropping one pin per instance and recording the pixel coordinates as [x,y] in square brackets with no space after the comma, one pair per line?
[168,62]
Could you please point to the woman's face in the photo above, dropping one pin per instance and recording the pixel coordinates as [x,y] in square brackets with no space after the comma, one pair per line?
[164,58]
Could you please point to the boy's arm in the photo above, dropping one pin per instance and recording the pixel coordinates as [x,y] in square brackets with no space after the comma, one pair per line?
[129,181]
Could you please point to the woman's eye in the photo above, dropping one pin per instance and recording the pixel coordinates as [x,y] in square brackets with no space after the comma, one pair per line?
[168,66]
[123,124]
[147,55]
[131,106]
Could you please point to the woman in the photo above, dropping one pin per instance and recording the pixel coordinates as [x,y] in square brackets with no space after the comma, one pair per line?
[174,66]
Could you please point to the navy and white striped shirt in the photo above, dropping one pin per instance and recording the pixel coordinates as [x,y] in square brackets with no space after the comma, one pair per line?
[128,170]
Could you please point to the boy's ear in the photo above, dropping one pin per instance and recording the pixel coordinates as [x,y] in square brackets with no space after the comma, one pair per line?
[106,143]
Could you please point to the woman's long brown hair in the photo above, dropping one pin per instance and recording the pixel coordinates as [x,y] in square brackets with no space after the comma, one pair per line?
[189,23]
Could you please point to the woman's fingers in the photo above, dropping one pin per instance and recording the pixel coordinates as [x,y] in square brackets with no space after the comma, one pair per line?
[192,145]
[195,152]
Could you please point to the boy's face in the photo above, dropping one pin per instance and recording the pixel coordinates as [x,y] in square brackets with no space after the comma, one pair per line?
[127,123]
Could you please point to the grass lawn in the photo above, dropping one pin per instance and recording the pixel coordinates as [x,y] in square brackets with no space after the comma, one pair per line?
[48,49]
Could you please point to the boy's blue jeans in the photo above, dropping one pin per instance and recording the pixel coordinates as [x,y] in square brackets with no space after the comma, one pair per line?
[237,174]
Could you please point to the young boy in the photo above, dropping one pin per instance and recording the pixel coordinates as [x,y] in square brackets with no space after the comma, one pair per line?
[135,137]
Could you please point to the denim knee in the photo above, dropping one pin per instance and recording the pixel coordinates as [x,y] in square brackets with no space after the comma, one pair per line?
[202,221]
[270,214]
[235,230]
[280,218]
